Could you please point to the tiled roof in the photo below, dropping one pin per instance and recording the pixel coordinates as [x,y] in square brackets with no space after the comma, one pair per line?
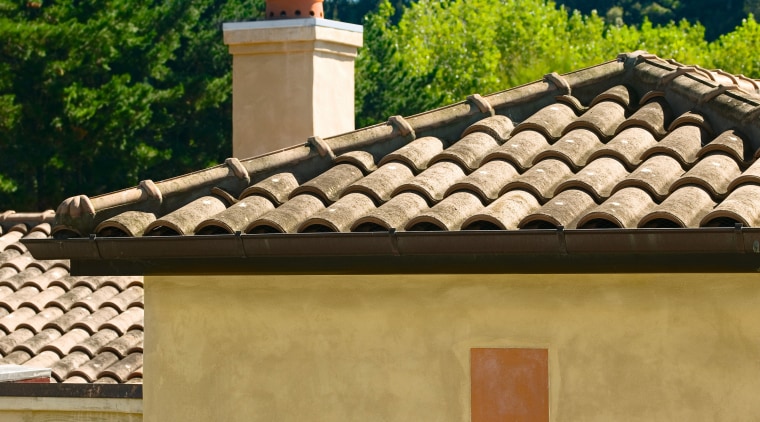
[86,329]
[638,142]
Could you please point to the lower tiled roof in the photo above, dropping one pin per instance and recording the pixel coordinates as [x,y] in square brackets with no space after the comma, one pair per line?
[636,143]
[85,329]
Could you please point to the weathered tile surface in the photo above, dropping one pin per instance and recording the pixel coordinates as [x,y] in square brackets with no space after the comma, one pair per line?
[55,320]
[655,146]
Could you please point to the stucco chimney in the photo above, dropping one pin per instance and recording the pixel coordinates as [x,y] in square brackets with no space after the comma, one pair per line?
[292,77]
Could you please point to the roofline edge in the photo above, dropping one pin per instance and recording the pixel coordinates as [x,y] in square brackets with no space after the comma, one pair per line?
[734,249]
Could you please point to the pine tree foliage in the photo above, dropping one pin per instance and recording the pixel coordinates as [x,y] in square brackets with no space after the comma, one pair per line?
[98,94]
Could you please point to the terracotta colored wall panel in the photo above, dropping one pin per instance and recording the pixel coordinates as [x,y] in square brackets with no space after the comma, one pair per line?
[510,385]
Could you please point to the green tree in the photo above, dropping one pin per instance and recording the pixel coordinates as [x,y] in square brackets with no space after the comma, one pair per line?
[97,94]
[444,50]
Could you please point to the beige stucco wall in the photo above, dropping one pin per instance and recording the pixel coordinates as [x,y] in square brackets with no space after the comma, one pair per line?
[291,79]
[64,409]
[396,348]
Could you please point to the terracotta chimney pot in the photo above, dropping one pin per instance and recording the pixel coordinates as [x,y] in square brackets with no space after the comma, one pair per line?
[294,9]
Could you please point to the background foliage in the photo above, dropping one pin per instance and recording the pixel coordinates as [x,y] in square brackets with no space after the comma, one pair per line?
[445,50]
[96,95]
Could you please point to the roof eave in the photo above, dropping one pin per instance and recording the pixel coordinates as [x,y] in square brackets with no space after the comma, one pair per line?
[525,251]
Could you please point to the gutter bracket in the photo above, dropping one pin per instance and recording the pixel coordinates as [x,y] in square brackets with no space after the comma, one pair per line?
[239,241]
[562,240]
[94,239]
[739,238]
[393,236]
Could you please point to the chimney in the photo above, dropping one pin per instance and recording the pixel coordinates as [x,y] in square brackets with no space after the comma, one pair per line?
[292,77]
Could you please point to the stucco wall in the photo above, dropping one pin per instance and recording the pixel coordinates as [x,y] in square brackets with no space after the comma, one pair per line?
[396,348]
[65,409]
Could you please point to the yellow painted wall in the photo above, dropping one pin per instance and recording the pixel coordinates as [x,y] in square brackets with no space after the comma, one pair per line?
[682,347]
[65,409]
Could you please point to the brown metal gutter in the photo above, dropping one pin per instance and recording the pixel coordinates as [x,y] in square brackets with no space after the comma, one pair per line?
[101,391]
[524,251]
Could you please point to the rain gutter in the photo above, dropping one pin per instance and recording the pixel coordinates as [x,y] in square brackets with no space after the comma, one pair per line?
[734,249]
[90,391]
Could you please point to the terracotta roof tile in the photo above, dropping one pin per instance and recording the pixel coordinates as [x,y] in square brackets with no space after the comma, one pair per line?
[237,217]
[17,357]
[62,369]
[186,219]
[287,217]
[130,223]
[35,344]
[394,214]
[562,210]
[542,179]
[9,342]
[417,154]
[574,148]
[42,320]
[10,322]
[729,142]
[627,146]
[449,214]
[713,173]
[631,143]
[11,302]
[521,149]
[93,301]
[469,151]
[93,322]
[603,119]
[329,185]
[682,143]
[655,175]
[434,181]
[505,213]
[132,296]
[597,178]
[63,345]
[276,188]
[339,216]
[618,214]
[93,369]
[498,127]
[683,208]
[487,181]
[123,345]
[380,184]
[654,116]
[620,94]
[741,206]
[122,369]
[68,320]
[44,359]
[92,344]
[67,300]
[751,175]
[550,121]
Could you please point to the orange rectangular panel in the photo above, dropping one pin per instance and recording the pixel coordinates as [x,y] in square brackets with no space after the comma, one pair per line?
[510,385]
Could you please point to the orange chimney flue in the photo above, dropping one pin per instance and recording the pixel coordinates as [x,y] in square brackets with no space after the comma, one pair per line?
[294,9]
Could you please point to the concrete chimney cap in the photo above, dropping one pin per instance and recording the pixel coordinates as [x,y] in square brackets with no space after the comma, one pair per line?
[294,9]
